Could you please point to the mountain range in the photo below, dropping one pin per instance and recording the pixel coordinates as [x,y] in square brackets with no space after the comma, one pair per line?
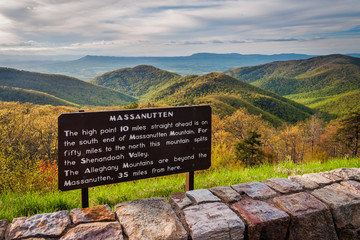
[282,91]
[226,94]
[326,83]
[88,67]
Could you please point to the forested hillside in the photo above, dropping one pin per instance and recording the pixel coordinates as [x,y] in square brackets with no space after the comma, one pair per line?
[137,82]
[327,83]
[71,90]
[227,94]
[11,94]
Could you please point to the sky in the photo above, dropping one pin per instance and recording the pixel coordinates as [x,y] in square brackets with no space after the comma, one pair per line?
[178,27]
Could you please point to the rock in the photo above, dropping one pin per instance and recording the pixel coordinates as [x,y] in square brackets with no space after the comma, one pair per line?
[304,182]
[349,234]
[202,196]
[213,221]
[100,213]
[95,231]
[263,220]
[179,201]
[331,176]
[347,173]
[283,185]
[151,218]
[319,179]
[347,190]
[3,226]
[353,186]
[40,225]
[40,238]
[345,207]
[255,190]
[310,218]
[226,193]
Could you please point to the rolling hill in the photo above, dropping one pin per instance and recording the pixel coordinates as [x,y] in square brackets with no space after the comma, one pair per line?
[65,89]
[226,94]
[328,83]
[138,82]
[147,83]
[11,94]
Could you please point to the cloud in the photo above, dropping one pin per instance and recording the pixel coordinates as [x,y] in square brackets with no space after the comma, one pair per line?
[93,25]
[19,44]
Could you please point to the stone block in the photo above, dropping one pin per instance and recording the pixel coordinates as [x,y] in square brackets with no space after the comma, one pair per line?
[331,176]
[353,186]
[3,226]
[304,182]
[283,185]
[310,218]
[40,225]
[349,234]
[179,201]
[213,221]
[255,190]
[347,173]
[318,178]
[202,196]
[151,219]
[263,220]
[95,231]
[35,238]
[226,193]
[100,213]
[344,205]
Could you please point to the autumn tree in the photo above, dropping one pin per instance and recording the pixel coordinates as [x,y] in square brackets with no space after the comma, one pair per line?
[348,132]
[241,123]
[328,141]
[290,142]
[310,132]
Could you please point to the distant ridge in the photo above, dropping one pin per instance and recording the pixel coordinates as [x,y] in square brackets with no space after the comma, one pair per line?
[66,89]
[88,67]
[327,83]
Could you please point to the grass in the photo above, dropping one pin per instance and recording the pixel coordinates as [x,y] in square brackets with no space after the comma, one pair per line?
[14,204]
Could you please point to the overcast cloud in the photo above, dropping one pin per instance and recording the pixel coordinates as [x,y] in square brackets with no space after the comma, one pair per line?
[179,27]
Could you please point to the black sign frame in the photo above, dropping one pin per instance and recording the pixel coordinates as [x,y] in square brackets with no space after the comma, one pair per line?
[99,148]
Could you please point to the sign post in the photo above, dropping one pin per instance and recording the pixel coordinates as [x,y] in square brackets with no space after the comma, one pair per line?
[98,148]
[189,181]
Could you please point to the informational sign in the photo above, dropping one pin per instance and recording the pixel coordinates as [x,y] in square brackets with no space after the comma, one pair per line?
[97,148]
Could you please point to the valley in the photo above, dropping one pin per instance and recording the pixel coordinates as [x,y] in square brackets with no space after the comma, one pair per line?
[280,91]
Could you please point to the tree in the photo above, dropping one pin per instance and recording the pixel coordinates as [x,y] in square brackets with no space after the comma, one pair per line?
[290,143]
[349,132]
[311,131]
[249,150]
[241,122]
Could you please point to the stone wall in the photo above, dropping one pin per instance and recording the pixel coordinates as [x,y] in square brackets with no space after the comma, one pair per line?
[312,206]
